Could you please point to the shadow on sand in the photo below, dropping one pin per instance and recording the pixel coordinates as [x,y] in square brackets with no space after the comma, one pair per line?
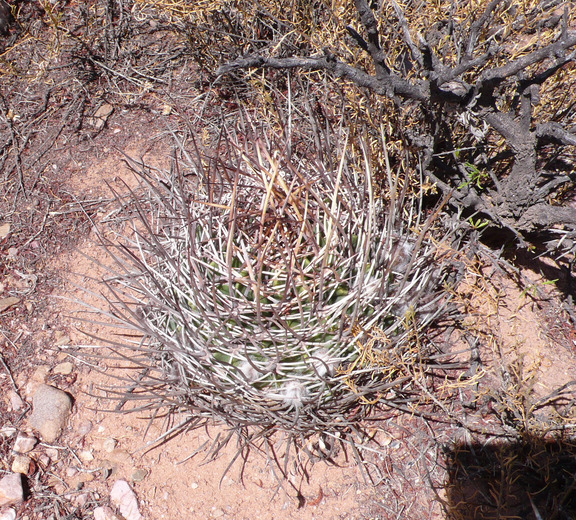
[533,479]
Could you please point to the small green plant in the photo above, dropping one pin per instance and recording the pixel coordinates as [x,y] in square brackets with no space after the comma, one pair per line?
[476,177]
[534,288]
[478,224]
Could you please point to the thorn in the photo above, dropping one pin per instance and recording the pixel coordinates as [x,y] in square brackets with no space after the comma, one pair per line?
[535,509]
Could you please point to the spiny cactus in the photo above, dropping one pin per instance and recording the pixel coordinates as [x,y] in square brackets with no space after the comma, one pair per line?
[274,293]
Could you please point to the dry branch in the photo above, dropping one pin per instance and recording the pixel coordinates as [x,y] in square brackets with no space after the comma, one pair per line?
[468,95]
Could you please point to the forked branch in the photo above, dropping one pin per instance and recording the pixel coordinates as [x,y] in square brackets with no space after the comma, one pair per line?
[469,91]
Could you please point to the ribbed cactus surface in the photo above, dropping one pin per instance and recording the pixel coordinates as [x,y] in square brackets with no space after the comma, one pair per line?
[274,293]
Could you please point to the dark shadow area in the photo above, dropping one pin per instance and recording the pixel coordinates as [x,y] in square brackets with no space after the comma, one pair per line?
[561,272]
[555,268]
[534,479]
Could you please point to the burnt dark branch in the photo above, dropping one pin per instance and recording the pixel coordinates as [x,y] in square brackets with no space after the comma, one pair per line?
[545,190]
[416,54]
[357,38]
[528,97]
[545,215]
[369,22]
[539,79]
[371,25]
[505,125]
[471,201]
[429,59]
[565,22]
[476,27]
[555,132]
[466,65]
[389,86]
[499,74]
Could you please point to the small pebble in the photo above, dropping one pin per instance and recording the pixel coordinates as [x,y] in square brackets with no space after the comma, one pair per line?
[24,443]
[61,356]
[104,513]
[85,428]
[53,453]
[139,475]
[64,368]
[37,378]
[16,402]
[11,491]
[109,444]
[51,410]
[61,338]
[44,460]
[7,431]
[21,464]
[86,456]
[9,514]
[81,500]
[125,500]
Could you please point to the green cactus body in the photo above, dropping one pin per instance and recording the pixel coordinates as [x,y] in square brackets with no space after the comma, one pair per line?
[265,301]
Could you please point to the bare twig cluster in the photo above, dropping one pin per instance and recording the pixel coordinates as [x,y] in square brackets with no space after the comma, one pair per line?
[481,134]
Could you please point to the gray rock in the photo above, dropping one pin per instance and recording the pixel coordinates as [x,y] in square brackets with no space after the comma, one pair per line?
[125,500]
[104,513]
[11,491]
[24,443]
[51,410]
[9,514]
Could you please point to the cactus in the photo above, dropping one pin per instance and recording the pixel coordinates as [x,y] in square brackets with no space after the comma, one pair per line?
[274,293]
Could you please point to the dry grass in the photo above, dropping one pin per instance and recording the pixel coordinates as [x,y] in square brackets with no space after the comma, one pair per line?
[227,30]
